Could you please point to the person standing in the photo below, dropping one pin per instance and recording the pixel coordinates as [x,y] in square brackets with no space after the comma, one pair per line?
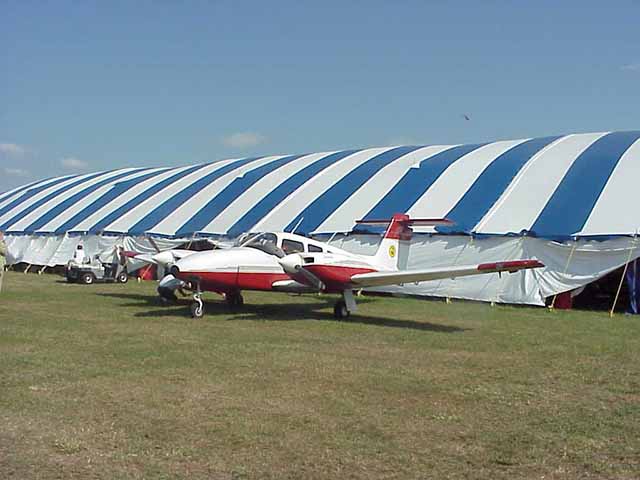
[3,257]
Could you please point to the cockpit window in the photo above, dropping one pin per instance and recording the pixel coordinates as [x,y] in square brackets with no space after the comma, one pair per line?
[291,246]
[267,242]
[314,248]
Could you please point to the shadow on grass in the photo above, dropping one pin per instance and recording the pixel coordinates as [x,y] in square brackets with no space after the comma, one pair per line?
[281,312]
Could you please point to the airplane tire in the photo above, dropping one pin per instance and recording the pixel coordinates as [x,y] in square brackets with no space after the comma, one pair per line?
[197,310]
[123,277]
[235,300]
[340,310]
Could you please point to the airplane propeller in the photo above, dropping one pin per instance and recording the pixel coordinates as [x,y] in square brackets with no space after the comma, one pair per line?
[293,265]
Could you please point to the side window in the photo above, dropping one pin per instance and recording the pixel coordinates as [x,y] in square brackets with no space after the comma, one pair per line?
[291,246]
[314,248]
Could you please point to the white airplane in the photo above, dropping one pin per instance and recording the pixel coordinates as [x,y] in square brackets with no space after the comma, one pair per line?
[285,262]
[164,259]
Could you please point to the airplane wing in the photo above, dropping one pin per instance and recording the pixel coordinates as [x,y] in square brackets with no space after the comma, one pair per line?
[378,279]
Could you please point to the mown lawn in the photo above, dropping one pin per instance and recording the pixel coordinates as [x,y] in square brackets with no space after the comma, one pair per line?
[102,382]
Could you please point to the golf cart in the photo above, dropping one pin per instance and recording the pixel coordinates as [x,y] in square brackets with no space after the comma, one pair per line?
[82,269]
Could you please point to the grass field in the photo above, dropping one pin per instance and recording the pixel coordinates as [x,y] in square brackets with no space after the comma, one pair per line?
[102,382]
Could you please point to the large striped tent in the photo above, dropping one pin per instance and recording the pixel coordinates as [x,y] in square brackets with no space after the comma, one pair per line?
[557,198]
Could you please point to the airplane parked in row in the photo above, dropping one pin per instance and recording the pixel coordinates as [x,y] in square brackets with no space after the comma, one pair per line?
[286,262]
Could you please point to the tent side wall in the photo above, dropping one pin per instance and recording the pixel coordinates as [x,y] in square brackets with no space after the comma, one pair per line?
[568,265]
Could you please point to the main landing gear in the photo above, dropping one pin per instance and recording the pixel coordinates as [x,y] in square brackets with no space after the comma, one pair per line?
[234,300]
[343,308]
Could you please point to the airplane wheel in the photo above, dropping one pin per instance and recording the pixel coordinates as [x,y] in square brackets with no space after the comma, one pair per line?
[123,277]
[340,310]
[197,310]
[234,300]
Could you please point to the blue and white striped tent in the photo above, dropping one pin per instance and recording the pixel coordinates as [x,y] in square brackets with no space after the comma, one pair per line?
[555,188]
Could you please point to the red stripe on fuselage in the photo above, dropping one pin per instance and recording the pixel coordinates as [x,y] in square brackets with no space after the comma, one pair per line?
[336,277]
[232,281]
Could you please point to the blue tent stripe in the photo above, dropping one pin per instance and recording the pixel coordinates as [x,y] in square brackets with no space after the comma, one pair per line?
[491,183]
[117,190]
[417,181]
[30,193]
[69,202]
[160,212]
[15,191]
[222,200]
[47,198]
[322,207]
[141,197]
[569,207]
[282,191]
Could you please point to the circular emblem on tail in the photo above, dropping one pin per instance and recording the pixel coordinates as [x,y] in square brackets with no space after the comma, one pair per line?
[392,251]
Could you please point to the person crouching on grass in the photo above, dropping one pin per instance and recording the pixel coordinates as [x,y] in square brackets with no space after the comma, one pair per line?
[3,257]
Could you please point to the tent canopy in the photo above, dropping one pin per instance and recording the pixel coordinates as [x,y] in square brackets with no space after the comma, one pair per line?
[553,187]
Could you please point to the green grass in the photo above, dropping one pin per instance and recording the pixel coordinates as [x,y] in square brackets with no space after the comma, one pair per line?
[102,382]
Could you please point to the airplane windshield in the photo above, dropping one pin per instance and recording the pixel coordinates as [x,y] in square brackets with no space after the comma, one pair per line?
[267,242]
[244,238]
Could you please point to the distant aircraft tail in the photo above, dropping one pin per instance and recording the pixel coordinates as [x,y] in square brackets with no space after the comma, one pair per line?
[393,251]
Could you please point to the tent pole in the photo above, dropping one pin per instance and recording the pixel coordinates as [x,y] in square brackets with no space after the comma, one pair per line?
[566,268]
[624,273]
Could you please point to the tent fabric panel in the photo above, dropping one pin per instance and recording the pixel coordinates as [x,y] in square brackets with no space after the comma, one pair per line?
[490,184]
[364,198]
[581,186]
[282,191]
[321,208]
[103,197]
[264,187]
[452,183]
[154,187]
[49,213]
[296,202]
[202,221]
[158,214]
[416,181]
[616,211]
[31,196]
[517,209]
[173,223]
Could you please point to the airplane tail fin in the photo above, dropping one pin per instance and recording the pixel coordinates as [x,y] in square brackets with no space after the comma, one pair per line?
[393,251]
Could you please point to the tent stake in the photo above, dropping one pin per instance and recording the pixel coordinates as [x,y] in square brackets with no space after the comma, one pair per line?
[624,273]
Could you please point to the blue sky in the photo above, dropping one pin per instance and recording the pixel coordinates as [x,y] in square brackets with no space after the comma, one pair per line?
[87,86]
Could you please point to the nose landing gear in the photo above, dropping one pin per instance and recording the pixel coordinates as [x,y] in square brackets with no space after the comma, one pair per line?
[197,307]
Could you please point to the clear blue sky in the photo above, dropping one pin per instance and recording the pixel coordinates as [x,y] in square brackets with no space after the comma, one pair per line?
[86,86]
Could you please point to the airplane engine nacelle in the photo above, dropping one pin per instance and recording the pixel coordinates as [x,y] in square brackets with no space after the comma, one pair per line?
[291,264]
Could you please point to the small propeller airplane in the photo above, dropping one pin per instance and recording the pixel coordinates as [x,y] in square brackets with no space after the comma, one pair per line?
[286,262]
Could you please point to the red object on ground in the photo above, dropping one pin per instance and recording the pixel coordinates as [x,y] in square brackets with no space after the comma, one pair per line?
[564,301]
[147,273]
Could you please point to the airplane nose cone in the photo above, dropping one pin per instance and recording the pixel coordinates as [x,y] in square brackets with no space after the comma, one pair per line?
[291,264]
